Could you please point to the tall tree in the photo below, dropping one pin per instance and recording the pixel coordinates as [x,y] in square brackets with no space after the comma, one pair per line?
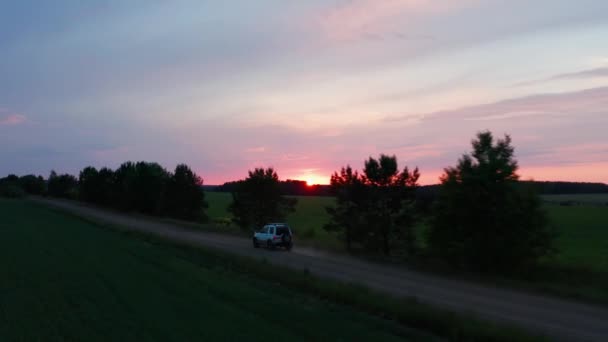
[106,180]
[89,186]
[10,187]
[257,200]
[185,198]
[345,218]
[376,208]
[123,192]
[149,186]
[33,185]
[63,186]
[484,219]
[390,213]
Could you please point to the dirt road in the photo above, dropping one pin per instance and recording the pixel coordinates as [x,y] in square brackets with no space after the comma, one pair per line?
[560,319]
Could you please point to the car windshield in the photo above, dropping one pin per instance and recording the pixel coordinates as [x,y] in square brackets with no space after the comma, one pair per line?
[282,230]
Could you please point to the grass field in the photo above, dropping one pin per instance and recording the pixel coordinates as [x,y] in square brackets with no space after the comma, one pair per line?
[579,269]
[307,221]
[583,236]
[582,229]
[66,279]
[596,199]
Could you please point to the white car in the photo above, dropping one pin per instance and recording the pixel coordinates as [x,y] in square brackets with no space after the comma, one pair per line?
[273,235]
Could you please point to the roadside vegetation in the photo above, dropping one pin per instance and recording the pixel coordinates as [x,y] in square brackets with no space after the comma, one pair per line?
[69,279]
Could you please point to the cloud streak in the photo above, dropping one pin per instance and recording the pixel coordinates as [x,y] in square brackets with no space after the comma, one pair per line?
[584,74]
[13,120]
[588,101]
[370,19]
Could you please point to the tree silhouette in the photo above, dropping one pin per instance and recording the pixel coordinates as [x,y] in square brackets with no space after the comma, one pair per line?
[10,187]
[375,208]
[345,218]
[89,186]
[63,186]
[33,185]
[390,202]
[257,200]
[185,198]
[484,219]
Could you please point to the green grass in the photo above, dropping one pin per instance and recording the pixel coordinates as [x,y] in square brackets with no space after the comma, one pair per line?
[582,230]
[67,279]
[583,236]
[596,199]
[218,204]
[578,270]
[307,221]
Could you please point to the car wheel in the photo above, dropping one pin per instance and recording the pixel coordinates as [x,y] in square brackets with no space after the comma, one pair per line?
[269,244]
[286,241]
[256,244]
[289,246]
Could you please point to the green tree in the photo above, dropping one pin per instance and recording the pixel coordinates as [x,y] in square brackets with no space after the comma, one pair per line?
[106,181]
[484,219]
[140,187]
[375,209]
[345,218]
[257,200]
[390,209]
[185,198]
[89,185]
[10,187]
[33,185]
[62,186]
[123,192]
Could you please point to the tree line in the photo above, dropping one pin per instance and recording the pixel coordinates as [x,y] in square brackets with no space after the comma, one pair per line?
[480,217]
[289,187]
[426,193]
[143,187]
[13,186]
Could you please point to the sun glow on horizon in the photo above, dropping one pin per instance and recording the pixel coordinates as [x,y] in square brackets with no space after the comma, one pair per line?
[313,179]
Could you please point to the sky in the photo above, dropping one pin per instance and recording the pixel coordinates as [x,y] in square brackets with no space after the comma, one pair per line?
[305,87]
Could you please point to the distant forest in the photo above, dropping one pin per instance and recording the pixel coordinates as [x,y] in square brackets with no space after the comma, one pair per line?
[300,188]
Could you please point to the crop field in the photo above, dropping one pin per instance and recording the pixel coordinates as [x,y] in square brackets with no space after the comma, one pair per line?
[66,279]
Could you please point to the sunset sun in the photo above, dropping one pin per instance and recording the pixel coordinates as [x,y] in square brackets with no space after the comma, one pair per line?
[314,179]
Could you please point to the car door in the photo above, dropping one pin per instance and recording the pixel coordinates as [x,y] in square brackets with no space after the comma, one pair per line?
[266,233]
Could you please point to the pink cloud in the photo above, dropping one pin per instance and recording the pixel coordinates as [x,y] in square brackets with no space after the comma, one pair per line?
[370,17]
[556,137]
[258,149]
[13,119]
[590,172]
[589,101]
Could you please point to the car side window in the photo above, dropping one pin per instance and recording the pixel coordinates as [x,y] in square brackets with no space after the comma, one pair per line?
[271,231]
